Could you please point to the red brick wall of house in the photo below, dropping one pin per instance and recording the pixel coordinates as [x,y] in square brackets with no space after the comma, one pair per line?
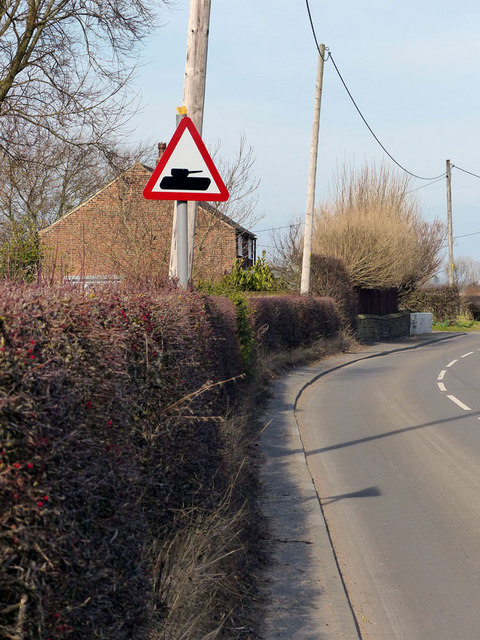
[118,232]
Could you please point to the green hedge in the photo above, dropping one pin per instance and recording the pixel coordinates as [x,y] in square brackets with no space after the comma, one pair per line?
[471,306]
[442,301]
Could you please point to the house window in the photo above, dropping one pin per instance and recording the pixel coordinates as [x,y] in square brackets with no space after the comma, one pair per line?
[240,246]
[250,248]
[246,248]
[92,281]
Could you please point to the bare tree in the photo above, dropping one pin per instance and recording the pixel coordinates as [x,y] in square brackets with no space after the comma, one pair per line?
[466,272]
[51,179]
[242,185]
[287,260]
[374,225]
[64,68]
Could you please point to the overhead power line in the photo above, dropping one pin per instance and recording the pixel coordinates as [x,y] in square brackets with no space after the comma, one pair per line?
[313,27]
[414,175]
[464,171]
[287,226]
[467,235]
[330,57]
[427,185]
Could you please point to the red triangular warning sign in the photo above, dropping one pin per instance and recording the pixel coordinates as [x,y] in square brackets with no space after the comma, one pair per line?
[186,171]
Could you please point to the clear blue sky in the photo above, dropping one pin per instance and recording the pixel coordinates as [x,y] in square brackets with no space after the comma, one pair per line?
[412,67]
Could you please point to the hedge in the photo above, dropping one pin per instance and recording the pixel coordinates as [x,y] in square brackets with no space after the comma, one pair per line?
[107,427]
[329,277]
[443,302]
[111,413]
[471,306]
[289,321]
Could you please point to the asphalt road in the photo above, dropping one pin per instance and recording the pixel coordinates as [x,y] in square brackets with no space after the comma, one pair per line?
[393,446]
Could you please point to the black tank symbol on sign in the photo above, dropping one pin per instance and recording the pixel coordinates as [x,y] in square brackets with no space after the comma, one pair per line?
[180,180]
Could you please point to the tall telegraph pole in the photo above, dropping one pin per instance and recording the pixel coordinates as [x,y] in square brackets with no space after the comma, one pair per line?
[196,61]
[449,225]
[307,240]
[193,100]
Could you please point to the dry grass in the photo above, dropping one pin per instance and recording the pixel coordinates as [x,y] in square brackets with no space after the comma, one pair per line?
[205,575]
[194,573]
[277,363]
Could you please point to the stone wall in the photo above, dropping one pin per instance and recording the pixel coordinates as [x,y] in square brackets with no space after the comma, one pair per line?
[372,328]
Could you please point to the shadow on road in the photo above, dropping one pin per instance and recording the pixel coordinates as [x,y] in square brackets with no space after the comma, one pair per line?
[388,434]
[370,492]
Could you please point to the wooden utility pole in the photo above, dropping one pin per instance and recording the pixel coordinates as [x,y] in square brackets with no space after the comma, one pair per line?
[307,240]
[450,226]
[193,100]
[196,62]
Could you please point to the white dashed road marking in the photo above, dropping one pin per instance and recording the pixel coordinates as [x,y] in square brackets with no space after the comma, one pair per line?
[459,403]
[443,388]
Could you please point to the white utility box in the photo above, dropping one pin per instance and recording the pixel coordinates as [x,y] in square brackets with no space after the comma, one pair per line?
[420,323]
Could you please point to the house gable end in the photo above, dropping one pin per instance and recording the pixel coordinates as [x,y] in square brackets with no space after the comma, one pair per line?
[97,194]
[117,232]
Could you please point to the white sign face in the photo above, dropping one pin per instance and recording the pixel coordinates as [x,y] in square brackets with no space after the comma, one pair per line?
[186,170]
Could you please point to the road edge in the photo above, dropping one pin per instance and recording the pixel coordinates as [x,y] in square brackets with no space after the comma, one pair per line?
[304,589]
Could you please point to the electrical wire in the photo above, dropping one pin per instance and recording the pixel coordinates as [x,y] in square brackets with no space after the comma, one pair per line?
[454,166]
[288,226]
[466,235]
[330,57]
[313,28]
[427,185]
[432,180]
[414,175]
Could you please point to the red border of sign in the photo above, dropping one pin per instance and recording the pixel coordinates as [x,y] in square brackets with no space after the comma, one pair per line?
[199,196]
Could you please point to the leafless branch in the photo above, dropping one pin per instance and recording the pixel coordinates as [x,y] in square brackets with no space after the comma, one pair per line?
[375,226]
[65,66]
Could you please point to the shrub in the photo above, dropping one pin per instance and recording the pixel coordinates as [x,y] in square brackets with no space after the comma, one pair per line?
[286,322]
[258,277]
[329,278]
[109,408]
[470,305]
[227,352]
[245,332]
[443,302]
[374,224]
[113,453]
[19,255]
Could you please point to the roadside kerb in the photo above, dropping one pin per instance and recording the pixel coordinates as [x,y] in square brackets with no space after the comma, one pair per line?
[305,595]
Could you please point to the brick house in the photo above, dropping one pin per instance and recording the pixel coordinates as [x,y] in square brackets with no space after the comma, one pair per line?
[117,233]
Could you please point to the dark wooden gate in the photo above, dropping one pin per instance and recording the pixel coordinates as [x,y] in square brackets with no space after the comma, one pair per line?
[379,302]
